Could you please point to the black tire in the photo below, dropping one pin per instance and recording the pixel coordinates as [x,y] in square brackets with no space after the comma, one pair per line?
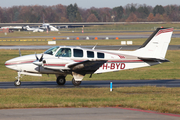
[76,83]
[16,83]
[61,80]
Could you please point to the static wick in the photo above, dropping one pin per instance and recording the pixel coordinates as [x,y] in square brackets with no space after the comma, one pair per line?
[111,87]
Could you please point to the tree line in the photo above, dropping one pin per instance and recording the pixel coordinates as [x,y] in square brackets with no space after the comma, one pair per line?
[73,13]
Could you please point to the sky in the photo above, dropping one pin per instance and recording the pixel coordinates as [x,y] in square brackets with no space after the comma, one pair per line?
[88,3]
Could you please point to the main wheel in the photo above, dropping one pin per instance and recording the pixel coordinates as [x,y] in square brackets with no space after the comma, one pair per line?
[76,83]
[61,80]
[17,83]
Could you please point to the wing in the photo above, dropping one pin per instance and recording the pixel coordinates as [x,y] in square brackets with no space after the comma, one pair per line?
[85,67]
[78,69]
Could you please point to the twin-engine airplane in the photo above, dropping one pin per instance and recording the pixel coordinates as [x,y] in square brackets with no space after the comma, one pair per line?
[78,61]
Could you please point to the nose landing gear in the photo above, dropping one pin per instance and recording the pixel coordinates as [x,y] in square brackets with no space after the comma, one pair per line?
[18,82]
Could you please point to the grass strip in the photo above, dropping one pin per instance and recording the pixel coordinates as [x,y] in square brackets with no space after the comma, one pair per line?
[60,42]
[161,99]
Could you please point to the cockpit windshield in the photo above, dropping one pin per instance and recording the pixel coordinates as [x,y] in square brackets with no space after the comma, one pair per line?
[51,51]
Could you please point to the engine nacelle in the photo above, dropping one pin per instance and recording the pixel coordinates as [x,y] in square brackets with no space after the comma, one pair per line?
[56,63]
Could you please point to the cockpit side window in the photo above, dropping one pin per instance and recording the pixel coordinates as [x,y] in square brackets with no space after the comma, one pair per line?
[64,52]
[78,53]
[51,51]
[90,54]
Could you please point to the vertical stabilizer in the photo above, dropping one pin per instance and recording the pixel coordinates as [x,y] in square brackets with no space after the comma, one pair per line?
[156,45]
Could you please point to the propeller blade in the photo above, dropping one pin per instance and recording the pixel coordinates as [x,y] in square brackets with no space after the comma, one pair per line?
[36,57]
[41,57]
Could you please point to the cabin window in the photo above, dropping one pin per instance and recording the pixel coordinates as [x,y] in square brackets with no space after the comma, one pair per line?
[100,55]
[51,51]
[64,52]
[90,54]
[78,53]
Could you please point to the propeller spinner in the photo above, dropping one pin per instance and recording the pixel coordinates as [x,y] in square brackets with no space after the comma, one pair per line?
[38,61]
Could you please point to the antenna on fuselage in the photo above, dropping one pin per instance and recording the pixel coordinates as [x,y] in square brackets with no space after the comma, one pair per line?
[120,48]
[94,46]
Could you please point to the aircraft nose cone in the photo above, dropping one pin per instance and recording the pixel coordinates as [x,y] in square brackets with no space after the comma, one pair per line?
[9,64]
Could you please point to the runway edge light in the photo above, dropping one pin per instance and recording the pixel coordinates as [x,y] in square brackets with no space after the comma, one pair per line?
[111,87]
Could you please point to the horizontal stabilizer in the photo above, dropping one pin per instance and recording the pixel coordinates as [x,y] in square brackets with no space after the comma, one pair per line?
[154,59]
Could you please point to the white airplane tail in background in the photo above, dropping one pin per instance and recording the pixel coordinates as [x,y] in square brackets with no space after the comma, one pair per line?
[156,45]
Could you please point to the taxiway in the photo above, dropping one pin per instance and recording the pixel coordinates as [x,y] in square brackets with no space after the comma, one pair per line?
[84,114]
[94,84]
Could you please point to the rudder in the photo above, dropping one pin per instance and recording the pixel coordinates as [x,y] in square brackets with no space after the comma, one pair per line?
[156,45]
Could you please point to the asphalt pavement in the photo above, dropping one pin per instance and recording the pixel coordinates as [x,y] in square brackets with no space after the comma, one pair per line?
[94,84]
[83,114]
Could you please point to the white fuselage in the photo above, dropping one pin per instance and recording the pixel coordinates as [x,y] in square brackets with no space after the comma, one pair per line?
[57,65]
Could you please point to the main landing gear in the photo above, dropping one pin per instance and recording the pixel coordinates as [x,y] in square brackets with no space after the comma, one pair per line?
[61,81]
[76,83]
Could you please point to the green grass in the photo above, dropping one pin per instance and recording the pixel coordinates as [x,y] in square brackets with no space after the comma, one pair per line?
[127,27]
[61,34]
[161,99]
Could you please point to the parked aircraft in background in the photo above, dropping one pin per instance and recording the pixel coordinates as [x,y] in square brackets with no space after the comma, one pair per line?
[64,60]
[33,29]
[44,27]
[18,28]
[49,27]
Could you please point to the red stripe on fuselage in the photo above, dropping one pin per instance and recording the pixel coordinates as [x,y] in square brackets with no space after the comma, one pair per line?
[109,61]
[54,65]
[124,61]
[17,63]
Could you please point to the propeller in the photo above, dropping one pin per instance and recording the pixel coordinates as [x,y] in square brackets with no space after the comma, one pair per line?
[38,61]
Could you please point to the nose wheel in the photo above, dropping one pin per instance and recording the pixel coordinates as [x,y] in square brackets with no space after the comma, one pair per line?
[17,82]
